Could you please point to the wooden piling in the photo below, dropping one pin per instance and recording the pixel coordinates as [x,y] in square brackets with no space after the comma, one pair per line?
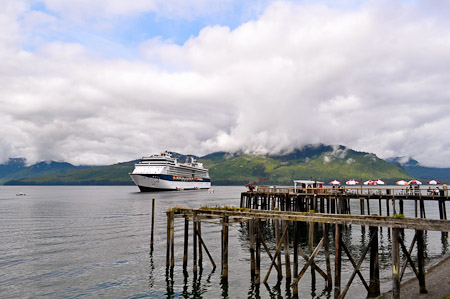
[394,210]
[287,259]
[326,244]
[337,260]
[444,209]
[225,247]
[374,286]
[277,238]
[395,264]
[194,243]
[186,241]
[169,216]
[379,207]
[361,206]
[258,252]
[310,251]
[295,248]
[199,246]
[415,208]
[422,209]
[387,208]
[153,225]
[251,232]
[421,261]
[172,242]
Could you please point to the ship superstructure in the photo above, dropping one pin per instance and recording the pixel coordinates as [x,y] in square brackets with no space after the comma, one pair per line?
[163,172]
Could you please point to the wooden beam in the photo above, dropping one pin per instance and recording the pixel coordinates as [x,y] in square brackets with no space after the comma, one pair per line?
[370,220]
[277,252]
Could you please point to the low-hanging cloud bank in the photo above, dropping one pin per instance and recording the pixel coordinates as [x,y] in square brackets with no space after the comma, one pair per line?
[373,78]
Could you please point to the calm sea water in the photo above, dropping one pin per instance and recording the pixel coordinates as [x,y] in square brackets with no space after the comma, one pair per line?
[94,242]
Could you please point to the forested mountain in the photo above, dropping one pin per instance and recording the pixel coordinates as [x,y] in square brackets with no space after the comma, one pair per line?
[321,162]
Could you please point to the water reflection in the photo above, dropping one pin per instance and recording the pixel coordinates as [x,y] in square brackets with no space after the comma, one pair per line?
[356,239]
[224,287]
[151,276]
[169,286]
[444,242]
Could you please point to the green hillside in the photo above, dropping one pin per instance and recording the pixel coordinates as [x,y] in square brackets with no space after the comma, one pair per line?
[312,162]
[116,174]
[37,170]
[321,162]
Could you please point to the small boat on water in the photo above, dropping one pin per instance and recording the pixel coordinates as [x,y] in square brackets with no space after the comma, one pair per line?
[21,194]
[162,172]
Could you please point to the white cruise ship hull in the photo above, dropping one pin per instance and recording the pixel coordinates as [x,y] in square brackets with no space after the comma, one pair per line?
[149,183]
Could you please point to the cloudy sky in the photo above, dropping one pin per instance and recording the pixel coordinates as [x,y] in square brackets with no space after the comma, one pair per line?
[103,81]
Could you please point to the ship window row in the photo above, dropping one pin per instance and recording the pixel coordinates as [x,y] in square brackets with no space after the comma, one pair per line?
[188,170]
[186,174]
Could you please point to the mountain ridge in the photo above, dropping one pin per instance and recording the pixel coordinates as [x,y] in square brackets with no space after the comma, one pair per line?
[320,161]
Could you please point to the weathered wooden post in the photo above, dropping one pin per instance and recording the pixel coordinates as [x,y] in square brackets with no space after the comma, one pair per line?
[379,207]
[194,243]
[337,261]
[168,240]
[441,212]
[277,238]
[415,208]
[387,208]
[444,209]
[395,264]
[310,250]
[326,244]
[172,242]
[153,225]
[287,259]
[295,247]
[251,232]
[422,209]
[361,206]
[199,246]
[186,242]
[225,247]
[258,252]
[374,286]
[421,261]
[394,210]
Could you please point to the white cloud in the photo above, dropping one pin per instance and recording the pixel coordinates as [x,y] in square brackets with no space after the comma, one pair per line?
[373,78]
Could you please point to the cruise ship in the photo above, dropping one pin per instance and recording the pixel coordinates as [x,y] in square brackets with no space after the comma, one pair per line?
[162,172]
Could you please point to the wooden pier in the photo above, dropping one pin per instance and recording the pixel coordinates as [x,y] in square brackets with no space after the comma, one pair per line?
[337,201]
[320,227]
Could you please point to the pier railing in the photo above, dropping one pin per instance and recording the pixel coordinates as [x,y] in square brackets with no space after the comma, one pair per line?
[358,190]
